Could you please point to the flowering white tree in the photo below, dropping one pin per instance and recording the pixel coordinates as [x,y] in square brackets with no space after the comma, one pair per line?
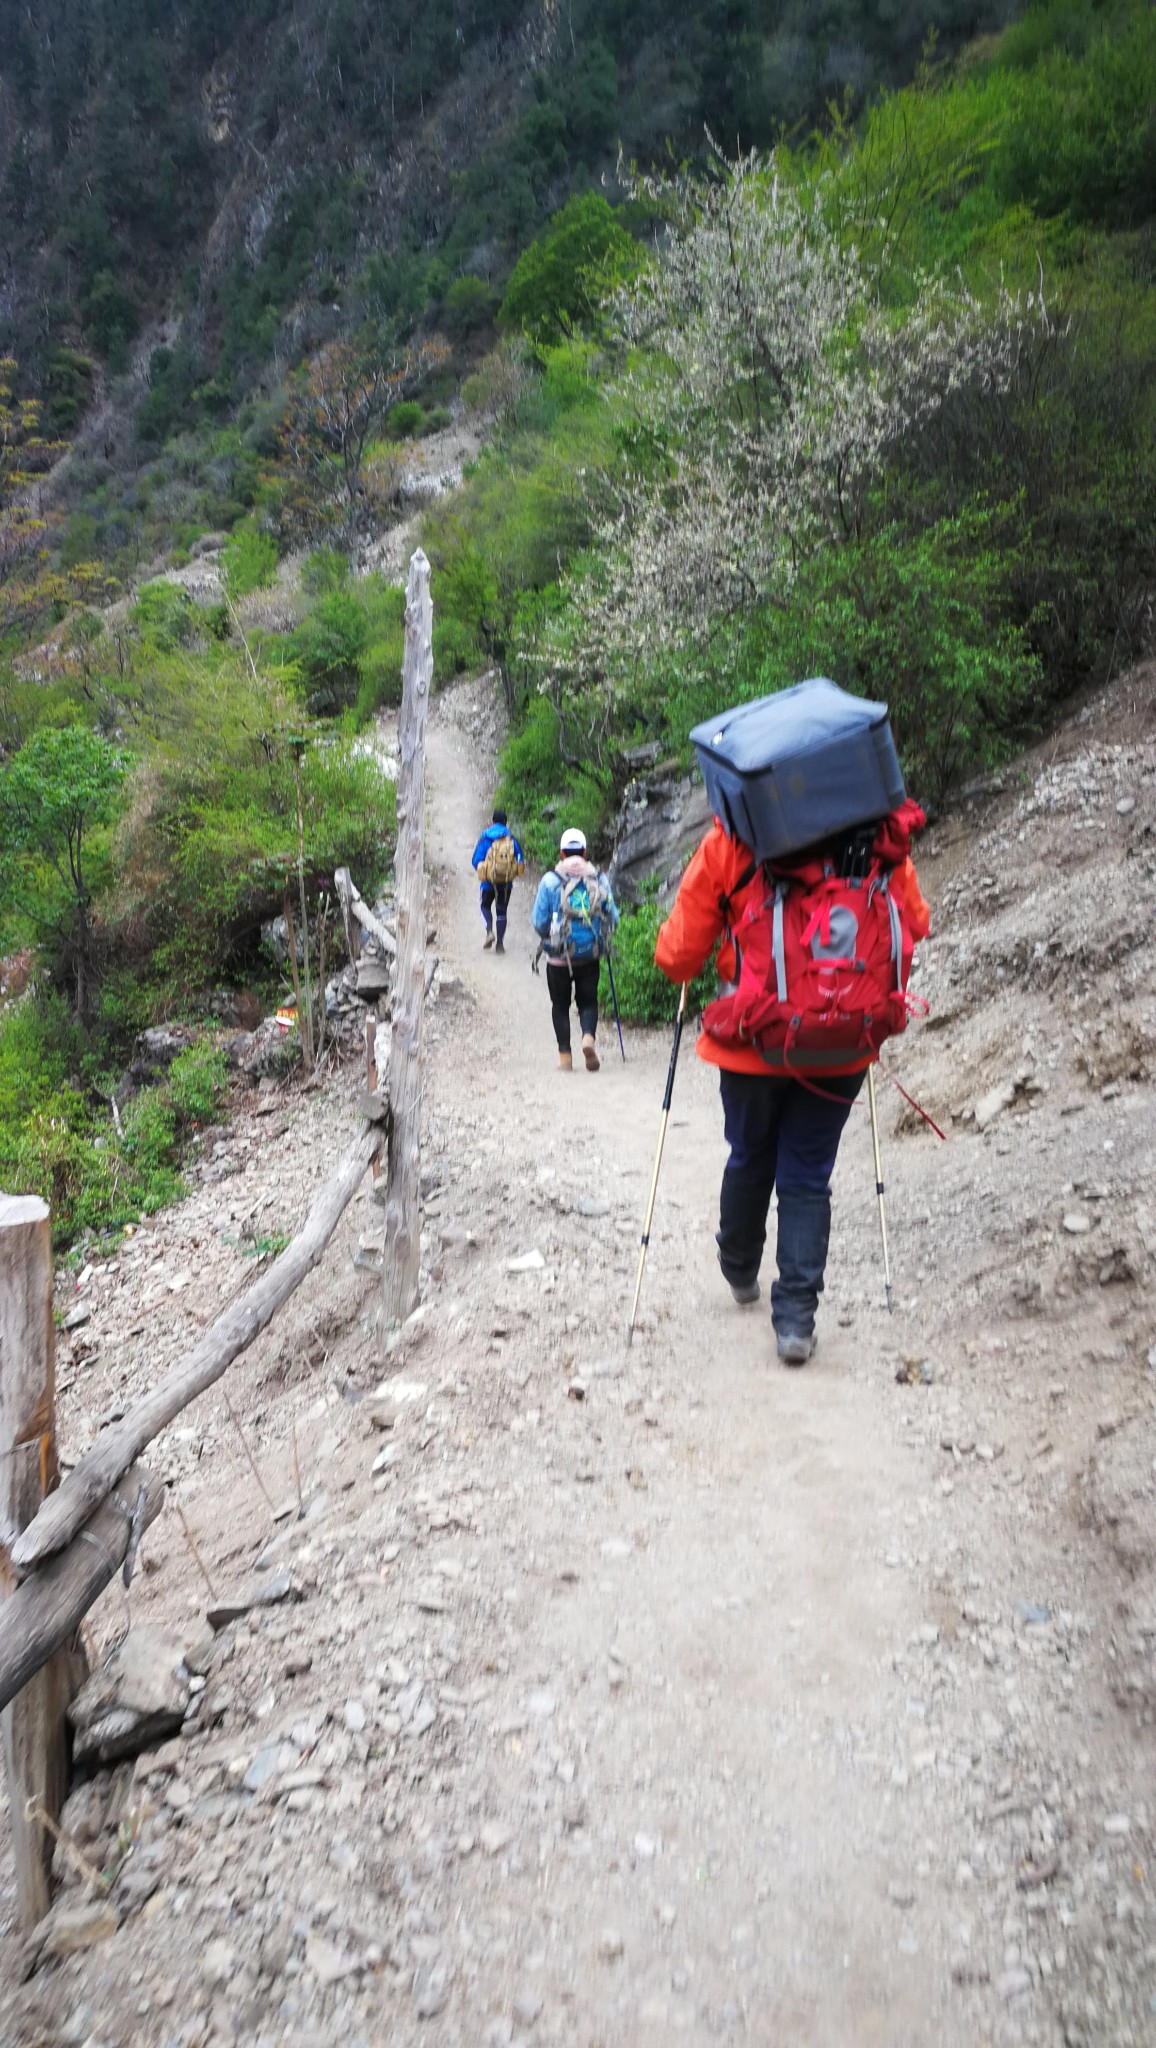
[769,384]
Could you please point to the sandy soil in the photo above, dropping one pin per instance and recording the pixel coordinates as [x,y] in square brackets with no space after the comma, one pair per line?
[662,1691]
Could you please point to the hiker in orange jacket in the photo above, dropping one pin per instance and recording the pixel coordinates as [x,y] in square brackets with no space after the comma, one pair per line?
[783,1133]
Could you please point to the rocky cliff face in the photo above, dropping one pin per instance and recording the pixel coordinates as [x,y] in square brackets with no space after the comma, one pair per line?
[663,815]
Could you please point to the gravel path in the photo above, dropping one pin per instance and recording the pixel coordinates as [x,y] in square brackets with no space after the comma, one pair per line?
[617,1694]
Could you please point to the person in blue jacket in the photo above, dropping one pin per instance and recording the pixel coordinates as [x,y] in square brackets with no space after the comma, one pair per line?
[497,849]
[574,915]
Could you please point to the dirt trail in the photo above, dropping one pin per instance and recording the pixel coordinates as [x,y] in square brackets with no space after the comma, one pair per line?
[725,1701]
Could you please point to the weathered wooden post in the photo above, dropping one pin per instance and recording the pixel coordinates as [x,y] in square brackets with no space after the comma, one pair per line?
[34,1732]
[403,1194]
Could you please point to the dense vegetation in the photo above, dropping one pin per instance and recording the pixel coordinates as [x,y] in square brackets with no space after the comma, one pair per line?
[880,406]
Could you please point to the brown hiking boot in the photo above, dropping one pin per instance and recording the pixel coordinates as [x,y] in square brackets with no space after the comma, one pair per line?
[487,942]
[590,1052]
[566,1062]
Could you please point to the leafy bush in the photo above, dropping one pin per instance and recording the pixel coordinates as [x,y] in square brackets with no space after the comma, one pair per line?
[328,647]
[645,996]
[406,420]
[248,560]
[540,791]
[165,614]
[456,648]
[470,305]
[59,1141]
[197,1083]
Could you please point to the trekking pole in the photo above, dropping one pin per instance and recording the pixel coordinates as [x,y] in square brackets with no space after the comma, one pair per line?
[657,1159]
[879,1187]
[614,1000]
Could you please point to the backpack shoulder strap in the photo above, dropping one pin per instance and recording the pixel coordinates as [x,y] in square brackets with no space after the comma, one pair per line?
[727,896]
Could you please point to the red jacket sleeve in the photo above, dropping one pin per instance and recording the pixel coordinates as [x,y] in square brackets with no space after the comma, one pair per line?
[909,896]
[697,918]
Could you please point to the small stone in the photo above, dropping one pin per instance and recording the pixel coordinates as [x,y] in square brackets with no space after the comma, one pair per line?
[611,1946]
[325,1961]
[1117,1824]
[526,1262]
[541,1704]
[1012,1984]
[591,1206]
[645,1848]
[990,1105]
[73,1928]
[430,1990]
[77,1317]
[1125,805]
[269,1759]
[354,1716]
[527,2007]
[219,1961]
[494,1836]
[1076,1223]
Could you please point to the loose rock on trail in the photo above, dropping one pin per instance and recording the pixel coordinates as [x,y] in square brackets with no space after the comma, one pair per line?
[591,1695]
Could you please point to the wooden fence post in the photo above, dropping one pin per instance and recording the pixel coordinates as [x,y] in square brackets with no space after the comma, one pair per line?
[35,1737]
[403,1195]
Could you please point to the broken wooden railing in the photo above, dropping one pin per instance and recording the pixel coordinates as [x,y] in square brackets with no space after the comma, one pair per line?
[61,1545]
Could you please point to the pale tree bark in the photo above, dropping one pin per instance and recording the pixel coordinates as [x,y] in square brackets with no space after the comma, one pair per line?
[403,1198]
[35,1738]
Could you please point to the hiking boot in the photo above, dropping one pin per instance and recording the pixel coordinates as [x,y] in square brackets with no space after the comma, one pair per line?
[745,1291]
[590,1052]
[795,1346]
[566,1062]
[487,942]
[499,945]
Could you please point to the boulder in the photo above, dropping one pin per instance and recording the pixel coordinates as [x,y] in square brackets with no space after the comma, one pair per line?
[662,818]
[136,1697]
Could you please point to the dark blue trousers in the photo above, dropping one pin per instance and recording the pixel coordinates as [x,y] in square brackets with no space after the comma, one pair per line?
[782,1135]
[496,895]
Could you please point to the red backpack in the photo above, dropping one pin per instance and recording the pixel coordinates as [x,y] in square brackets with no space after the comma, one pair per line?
[823,958]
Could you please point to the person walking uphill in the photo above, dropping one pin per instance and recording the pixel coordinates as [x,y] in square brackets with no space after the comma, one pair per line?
[497,861]
[574,915]
[814,963]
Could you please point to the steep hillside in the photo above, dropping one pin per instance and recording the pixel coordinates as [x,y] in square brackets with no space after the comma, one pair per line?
[222,186]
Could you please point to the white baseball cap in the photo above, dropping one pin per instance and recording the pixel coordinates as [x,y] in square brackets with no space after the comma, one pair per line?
[573,841]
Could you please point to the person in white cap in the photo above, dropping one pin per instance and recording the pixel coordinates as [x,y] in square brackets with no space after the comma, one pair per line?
[574,915]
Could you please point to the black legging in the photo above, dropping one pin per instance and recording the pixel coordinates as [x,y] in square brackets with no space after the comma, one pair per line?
[583,976]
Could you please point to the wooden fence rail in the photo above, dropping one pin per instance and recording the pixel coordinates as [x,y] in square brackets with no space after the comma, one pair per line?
[68,1509]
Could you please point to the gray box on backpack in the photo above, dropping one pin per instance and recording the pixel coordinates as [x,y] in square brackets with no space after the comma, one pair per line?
[788,771]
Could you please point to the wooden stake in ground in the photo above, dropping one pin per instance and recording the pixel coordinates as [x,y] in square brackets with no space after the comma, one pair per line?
[33,1727]
[403,1198]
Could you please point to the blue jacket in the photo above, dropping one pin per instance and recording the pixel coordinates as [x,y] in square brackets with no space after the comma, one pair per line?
[491,833]
[548,905]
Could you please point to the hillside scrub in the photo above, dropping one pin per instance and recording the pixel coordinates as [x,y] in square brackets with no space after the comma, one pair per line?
[881,410]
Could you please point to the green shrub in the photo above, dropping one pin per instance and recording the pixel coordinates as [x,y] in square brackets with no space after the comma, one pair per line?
[165,614]
[542,793]
[328,647]
[406,420]
[197,1083]
[326,570]
[248,560]
[470,306]
[456,648]
[645,996]
[60,1141]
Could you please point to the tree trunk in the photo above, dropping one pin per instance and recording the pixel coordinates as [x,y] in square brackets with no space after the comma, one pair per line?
[403,1199]
[35,1736]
